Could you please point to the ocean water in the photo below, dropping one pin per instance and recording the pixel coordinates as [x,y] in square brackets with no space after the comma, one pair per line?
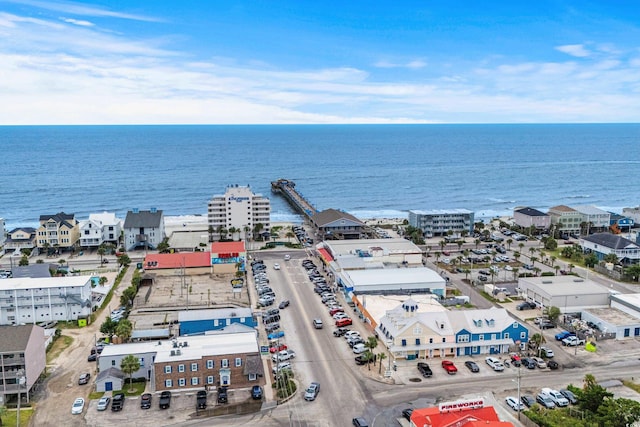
[367,170]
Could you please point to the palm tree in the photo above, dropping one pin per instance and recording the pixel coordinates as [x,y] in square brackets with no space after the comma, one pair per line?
[515,273]
[381,357]
[516,255]
[460,243]
[442,244]
[477,243]
[371,344]
[257,229]
[101,251]
[124,329]
[533,260]
[233,231]
[532,251]
[437,254]
[553,260]
[509,242]
[246,230]
[210,231]
[289,235]
[537,339]
[521,245]
[103,280]
[571,267]
[129,365]
[556,268]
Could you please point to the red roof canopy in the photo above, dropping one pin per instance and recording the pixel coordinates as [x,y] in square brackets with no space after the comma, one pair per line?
[177,260]
[432,417]
[325,255]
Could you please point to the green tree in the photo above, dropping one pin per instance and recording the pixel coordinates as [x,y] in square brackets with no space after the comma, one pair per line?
[551,244]
[128,296]
[124,260]
[103,280]
[591,396]
[477,243]
[533,260]
[3,412]
[537,340]
[515,273]
[371,344]
[124,329]
[290,234]
[381,357]
[163,247]
[619,412]
[612,258]
[101,251]
[553,313]
[108,327]
[257,230]
[591,260]
[571,267]
[633,272]
[442,244]
[460,243]
[553,260]
[233,231]
[516,255]
[24,261]
[129,365]
[210,230]
[556,268]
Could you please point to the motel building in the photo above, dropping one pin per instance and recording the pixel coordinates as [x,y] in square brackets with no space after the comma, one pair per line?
[467,412]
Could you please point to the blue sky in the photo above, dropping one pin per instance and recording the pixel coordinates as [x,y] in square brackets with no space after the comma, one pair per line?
[233,62]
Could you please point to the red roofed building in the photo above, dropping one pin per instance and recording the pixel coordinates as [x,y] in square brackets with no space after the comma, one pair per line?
[470,413]
[177,260]
[226,255]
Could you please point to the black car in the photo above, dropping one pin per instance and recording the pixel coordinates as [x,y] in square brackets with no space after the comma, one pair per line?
[528,400]
[546,325]
[340,332]
[425,370]
[273,311]
[117,402]
[256,392]
[407,413]
[165,400]
[473,366]
[145,401]
[526,306]
[271,319]
[92,357]
[223,397]
[272,327]
[553,365]
[529,363]
[284,304]
[365,358]
[360,422]
[201,399]
[569,395]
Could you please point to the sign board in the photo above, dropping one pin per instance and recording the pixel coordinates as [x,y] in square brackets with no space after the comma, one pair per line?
[461,405]
[237,283]
[264,349]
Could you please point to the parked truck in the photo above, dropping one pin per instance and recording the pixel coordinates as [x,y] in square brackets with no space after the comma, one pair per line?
[165,400]
[573,341]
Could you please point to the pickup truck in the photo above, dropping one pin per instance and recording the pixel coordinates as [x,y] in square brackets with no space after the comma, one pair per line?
[573,341]
[449,367]
[201,399]
[165,400]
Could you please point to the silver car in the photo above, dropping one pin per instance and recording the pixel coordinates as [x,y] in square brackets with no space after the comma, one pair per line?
[312,391]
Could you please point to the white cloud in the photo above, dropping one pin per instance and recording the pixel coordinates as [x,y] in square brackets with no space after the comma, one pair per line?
[79,22]
[415,64]
[82,9]
[577,50]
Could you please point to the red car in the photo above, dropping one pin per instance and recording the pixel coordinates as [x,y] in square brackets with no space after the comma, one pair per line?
[336,310]
[277,348]
[449,367]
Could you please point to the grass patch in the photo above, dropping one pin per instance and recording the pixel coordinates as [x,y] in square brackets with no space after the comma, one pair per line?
[59,345]
[116,283]
[10,418]
[633,386]
[138,388]
[95,395]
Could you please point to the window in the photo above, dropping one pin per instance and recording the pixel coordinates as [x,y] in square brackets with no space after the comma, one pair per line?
[167,369]
[182,382]
[430,340]
[238,362]
[195,380]
[417,341]
[225,363]
[253,377]
[463,338]
[210,379]
[506,335]
[194,367]
[444,339]
[209,364]
[523,335]
[404,343]
[141,361]
[168,383]
[417,330]
[636,332]
[626,332]
[181,368]
[515,325]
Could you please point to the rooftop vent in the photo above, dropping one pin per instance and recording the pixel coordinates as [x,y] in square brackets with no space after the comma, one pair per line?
[578,280]
[178,352]
[173,352]
[547,282]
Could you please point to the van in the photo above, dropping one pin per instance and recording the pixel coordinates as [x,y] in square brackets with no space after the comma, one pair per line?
[344,322]
[317,323]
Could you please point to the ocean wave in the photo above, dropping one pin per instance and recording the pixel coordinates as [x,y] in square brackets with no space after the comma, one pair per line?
[579,196]
[382,213]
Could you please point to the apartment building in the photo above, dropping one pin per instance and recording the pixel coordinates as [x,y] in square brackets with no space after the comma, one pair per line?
[594,218]
[98,229]
[530,217]
[143,229]
[439,222]
[567,219]
[20,238]
[22,359]
[238,209]
[32,300]
[59,231]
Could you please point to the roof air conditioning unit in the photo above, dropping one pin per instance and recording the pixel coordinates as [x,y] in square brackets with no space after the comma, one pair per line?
[185,344]
[178,352]
[173,352]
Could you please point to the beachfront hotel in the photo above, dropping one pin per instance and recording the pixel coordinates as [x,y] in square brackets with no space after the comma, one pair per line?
[439,222]
[239,208]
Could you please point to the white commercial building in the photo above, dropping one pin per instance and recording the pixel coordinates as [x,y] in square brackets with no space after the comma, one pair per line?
[440,222]
[372,253]
[100,228]
[571,294]
[594,218]
[394,281]
[33,300]
[239,208]
[611,320]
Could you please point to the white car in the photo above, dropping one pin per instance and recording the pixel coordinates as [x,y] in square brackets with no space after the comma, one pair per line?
[351,334]
[103,403]
[78,406]
[276,266]
[495,364]
[359,348]
[287,257]
[514,404]
[340,315]
[508,268]
[283,355]
[547,352]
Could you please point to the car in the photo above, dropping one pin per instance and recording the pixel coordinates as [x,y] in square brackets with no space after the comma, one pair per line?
[256,392]
[528,400]
[495,364]
[359,422]
[545,401]
[271,319]
[529,363]
[103,403]
[340,315]
[526,305]
[344,322]
[281,366]
[336,310]
[78,406]
[272,327]
[553,365]
[527,267]
[84,378]
[340,332]
[276,348]
[355,341]
[92,357]
[312,391]
[540,363]
[563,334]
[473,366]
[569,396]
[449,366]
[545,324]
[366,357]
[406,413]
[317,323]
[515,359]
[557,397]
[165,400]
[283,304]
[273,312]
[283,355]
[117,402]
[514,403]
[201,399]
[350,334]
[223,395]
[483,278]
[546,352]
[359,348]
[287,257]
[425,370]
[276,266]
[573,341]
[145,401]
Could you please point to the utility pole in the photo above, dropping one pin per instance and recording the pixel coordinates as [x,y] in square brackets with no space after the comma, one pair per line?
[519,401]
